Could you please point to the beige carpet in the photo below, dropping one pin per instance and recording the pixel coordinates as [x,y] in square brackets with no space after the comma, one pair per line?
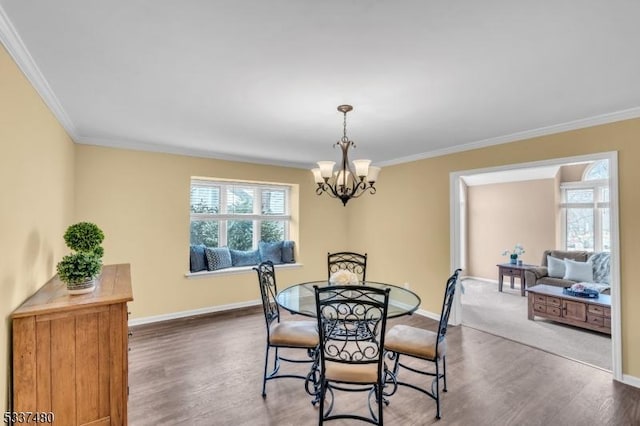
[505,314]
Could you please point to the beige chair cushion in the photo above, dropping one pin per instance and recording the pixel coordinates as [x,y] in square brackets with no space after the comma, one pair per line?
[299,334]
[414,341]
[352,373]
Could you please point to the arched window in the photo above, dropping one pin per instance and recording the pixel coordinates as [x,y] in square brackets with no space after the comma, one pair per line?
[585,210]
[597,170]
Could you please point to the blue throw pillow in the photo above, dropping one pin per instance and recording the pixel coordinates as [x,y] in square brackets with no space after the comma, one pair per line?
[197,258]
[270,251]
[287,252]
[244,258]
[218,258]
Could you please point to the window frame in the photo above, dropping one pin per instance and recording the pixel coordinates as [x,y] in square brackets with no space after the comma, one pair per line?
[597,206]
[223,217]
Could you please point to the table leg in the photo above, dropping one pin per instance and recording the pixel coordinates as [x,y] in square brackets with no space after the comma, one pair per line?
[530,307]
[512,280]
[522,285]
[500,279]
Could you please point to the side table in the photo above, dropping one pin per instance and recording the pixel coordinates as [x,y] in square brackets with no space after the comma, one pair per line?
[512,271]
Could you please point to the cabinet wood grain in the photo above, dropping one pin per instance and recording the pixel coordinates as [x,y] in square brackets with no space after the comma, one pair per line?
[70,352]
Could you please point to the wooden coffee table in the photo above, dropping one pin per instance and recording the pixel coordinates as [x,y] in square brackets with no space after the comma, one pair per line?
[550,302]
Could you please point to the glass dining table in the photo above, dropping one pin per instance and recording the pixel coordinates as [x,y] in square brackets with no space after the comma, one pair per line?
[300,298]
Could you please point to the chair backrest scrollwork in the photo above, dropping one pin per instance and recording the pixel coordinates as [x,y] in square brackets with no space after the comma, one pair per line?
[447,302]
[268,291]
[353,262]
[352,324]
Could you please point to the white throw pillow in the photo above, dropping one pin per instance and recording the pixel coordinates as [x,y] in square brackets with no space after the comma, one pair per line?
[555,267]
[578,271]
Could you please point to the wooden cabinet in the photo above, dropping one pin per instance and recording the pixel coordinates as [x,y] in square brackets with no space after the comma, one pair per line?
[551,303]
[70,352]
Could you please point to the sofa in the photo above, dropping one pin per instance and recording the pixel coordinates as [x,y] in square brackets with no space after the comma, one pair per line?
[553,274]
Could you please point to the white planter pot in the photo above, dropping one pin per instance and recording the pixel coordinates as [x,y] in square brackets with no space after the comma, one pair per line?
[81,288]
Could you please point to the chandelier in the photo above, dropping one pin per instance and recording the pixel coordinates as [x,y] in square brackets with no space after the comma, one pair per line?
[344,183]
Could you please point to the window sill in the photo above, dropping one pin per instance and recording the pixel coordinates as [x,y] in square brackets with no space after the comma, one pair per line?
[237,270]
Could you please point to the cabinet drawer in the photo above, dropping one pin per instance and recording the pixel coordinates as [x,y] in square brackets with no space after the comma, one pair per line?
[539,307]
[553,301]
[539,299]
[607,312]
[595,309]
[595,320]
[553,310]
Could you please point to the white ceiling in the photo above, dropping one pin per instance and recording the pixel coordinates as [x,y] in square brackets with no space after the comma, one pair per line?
[260,80]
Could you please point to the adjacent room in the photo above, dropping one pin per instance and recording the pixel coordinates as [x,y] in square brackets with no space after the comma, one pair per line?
[566,209]
[261,213]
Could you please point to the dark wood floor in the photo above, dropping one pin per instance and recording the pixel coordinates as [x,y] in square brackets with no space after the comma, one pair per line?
[207,371]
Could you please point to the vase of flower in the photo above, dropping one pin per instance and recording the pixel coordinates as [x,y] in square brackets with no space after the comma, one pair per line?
[514,254]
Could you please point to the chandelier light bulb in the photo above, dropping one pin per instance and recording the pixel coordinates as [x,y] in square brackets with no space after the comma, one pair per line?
[326,168]
[362,167]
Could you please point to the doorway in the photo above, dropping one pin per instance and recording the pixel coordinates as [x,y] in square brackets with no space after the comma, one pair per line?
[459,240]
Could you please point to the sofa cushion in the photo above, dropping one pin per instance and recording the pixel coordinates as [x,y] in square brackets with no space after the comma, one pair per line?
[218,258]
[558,282]
[580,256]
[601,267]
[556,267]
[270,251]
[244,258]
[578,271]
[197,258]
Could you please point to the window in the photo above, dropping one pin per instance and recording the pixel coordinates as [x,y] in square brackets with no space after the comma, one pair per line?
[585,210]
[238,214]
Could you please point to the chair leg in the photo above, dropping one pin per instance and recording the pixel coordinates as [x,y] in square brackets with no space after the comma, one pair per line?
[396,365]
[323,389]
[380,401]
[264,378]
[444,373]
[437,391]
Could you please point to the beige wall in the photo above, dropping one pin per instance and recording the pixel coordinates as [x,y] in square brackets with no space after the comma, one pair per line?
[406,232]
[36,186]
[141,201]
[503,214]
[573,172]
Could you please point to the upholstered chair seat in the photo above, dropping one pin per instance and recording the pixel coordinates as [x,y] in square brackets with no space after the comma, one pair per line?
[351,373]
[414,342]
[295,334]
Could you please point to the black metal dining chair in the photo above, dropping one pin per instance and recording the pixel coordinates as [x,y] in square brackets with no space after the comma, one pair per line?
[351,322]
[404,340]
[351,261]
[285,334]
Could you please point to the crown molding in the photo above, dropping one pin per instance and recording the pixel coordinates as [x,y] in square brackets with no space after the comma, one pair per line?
[15,46]
[607,118]
[189,152]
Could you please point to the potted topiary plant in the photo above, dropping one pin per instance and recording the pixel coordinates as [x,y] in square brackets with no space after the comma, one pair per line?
[80,269]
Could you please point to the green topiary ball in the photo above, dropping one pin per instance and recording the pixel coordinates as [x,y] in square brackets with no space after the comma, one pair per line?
[84,236]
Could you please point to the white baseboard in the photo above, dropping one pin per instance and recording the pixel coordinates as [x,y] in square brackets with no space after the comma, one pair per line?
[192,313]
[479,279]
[631,380]
[428,314]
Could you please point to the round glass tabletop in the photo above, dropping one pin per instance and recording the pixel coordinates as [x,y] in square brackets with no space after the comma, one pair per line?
[300,299]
